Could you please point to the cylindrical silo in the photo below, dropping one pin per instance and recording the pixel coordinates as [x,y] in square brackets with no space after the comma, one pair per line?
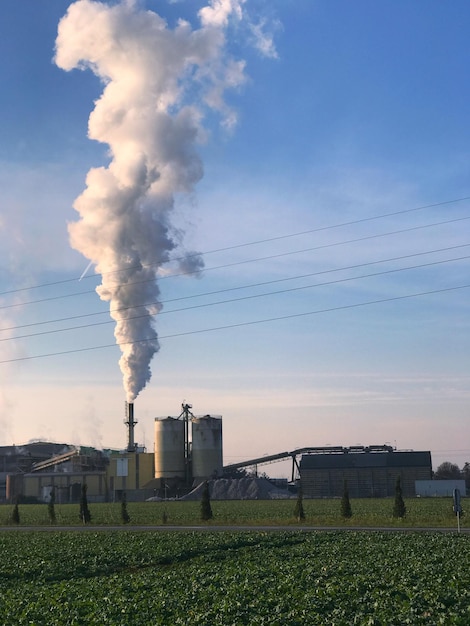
[169,448]
[206,455]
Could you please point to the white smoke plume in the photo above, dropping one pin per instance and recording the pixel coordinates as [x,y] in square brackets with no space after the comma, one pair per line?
[156,82]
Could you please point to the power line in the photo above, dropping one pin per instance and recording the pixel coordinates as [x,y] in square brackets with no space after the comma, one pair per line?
[240,299]
[238,288]
[240,324]
[251,243]
[341,224]
[246,261]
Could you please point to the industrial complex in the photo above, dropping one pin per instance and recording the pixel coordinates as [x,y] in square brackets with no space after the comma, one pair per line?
[188,450]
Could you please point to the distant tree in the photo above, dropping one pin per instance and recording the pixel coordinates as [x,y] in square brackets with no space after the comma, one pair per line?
[125,517]
[85,514]
[346,510]
[51,506]
[466,474]
[447,471]
[235,473]
[399,508]
[206,509]
[299,512]
[15,516]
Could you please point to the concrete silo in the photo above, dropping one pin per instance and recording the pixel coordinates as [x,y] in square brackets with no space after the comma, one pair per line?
[170,448]
[206,453]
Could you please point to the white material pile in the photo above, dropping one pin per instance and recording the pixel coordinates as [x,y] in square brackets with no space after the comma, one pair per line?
[239,489]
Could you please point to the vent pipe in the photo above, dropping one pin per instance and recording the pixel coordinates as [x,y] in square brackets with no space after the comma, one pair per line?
[130,423]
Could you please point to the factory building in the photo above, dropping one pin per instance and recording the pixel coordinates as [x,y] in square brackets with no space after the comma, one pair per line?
[107,474]
[20,459]
[188,451]
[370,472]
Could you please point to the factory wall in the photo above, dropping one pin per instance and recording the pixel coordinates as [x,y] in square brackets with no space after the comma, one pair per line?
[367,474]
[67,486]
[130,472]
[14,459]
[126,472]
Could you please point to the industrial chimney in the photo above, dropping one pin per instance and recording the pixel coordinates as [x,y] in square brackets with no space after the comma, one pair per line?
[130,423]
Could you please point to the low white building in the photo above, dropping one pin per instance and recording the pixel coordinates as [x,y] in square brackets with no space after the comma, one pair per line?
[440,488]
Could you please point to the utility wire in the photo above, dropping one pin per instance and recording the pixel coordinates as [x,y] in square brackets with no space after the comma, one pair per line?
[252,243]
[245,262]
[238,288]
[232,300]
[240,324]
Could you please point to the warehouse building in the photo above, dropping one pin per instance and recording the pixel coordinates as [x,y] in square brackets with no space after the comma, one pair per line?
[370,472]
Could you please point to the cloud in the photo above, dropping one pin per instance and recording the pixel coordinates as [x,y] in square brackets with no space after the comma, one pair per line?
[263,37]
[218,12]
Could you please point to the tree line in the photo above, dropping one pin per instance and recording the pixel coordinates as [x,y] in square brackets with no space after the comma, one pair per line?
[451,471]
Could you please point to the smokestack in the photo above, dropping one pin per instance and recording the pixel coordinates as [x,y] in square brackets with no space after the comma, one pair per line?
[130,423]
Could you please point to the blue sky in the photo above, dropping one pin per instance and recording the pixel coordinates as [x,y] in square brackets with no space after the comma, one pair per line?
[349,117]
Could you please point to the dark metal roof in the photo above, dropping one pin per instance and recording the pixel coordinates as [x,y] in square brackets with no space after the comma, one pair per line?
[365,460]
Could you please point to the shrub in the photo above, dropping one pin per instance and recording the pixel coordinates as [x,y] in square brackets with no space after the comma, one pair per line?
[399,508]
[299,512]
[50,507]
[125,517]
[346,510]
[15,515]
[206,510]
[85,514]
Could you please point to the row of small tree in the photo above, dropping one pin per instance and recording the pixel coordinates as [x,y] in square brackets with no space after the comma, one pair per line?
[399,508]
[15,515]
[84,513]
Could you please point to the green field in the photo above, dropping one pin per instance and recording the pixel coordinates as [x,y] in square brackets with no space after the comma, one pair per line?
[428,512]
[230,579]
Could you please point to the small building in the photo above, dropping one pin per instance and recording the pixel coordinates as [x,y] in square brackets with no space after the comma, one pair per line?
[20,459]
[107,475]
[370,472]
[439,488]
[132,473]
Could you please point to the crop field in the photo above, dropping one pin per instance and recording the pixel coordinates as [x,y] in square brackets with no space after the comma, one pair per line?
[427,512]
[234,578]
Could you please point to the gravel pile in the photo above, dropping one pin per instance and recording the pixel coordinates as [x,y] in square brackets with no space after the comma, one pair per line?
[238,489]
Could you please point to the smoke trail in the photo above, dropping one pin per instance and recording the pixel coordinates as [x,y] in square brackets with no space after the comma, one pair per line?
[156,81]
